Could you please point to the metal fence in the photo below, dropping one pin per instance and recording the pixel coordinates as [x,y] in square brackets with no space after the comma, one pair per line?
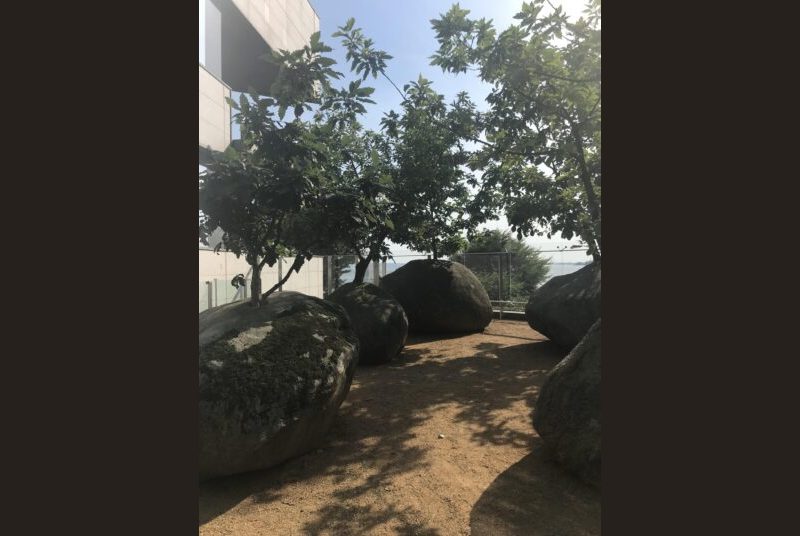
[509,279]
[501,275]
[341,269]
[217,270]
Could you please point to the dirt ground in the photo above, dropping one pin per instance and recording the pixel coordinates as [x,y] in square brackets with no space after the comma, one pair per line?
[439,442]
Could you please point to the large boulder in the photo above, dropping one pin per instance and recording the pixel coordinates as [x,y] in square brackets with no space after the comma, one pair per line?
[567,413]
[440,296]
[378,320]
[564,308]
[271,380]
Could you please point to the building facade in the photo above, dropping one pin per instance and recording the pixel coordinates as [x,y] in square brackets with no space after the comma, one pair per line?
[234,34]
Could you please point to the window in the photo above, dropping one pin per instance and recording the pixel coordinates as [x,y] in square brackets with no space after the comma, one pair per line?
[211,38]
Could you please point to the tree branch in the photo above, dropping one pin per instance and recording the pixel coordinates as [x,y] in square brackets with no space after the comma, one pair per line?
[298,262]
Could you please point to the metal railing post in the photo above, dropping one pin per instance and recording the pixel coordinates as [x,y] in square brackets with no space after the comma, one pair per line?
[210,296]
[500,281]
[331,282]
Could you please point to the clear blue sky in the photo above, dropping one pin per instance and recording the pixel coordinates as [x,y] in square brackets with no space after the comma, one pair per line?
[403,29]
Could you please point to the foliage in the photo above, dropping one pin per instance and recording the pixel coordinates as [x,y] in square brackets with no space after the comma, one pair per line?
[263,202]
[430,177]
[270,192]
[541,153]
[359,204]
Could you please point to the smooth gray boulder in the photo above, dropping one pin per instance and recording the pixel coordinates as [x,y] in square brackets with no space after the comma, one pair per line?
[377,318]
[271,380]
[564,308]
[440,296]
[567,411]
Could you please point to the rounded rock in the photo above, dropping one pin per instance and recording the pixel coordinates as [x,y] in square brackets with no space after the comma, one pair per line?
[377,318]
[271,380]
[567,412]
[440,296]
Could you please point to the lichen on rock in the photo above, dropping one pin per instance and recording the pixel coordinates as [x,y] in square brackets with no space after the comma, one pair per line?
[268,376]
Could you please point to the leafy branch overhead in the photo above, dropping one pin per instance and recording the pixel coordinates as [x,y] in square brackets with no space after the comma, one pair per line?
[543,122]
[270,191]
[539,153]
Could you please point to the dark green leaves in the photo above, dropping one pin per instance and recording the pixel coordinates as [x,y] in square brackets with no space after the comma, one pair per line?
[364,58]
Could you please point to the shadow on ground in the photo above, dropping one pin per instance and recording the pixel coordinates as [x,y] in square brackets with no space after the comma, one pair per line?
[374,430]
[536,498]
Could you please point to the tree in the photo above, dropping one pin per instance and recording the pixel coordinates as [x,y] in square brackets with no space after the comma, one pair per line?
[433,204]
[359,204]
[268,192]
[263,199]
[526,267]
[430,177]
[541,151]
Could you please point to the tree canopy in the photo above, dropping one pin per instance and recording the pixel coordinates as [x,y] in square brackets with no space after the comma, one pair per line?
[430,176]
[541,135]
[271,192]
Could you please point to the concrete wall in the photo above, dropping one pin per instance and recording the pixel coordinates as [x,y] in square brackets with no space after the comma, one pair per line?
[284,24]
[220,268]
[215,112]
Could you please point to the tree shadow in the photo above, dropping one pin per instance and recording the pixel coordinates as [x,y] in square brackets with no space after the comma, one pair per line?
[538,498]
[373,442]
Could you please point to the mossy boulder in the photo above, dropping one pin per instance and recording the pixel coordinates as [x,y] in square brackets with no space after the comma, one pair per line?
[440,296]
[378,320]
[567,413]
[271,380]
[564,308]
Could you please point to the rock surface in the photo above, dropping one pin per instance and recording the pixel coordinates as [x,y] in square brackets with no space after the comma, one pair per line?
[271,380]
[440,296]
[377,318]
[567,413]
[564,308]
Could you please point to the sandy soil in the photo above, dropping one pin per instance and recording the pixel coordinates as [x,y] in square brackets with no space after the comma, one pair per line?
[438,443]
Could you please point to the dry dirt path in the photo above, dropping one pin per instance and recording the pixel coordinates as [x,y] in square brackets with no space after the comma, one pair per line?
[385,469]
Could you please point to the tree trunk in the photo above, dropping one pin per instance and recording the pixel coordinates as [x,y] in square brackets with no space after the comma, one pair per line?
[296,265]
[361,269]
[591,195]
[255,286]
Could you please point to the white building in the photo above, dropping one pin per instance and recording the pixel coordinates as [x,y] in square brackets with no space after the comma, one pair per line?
[234,34]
